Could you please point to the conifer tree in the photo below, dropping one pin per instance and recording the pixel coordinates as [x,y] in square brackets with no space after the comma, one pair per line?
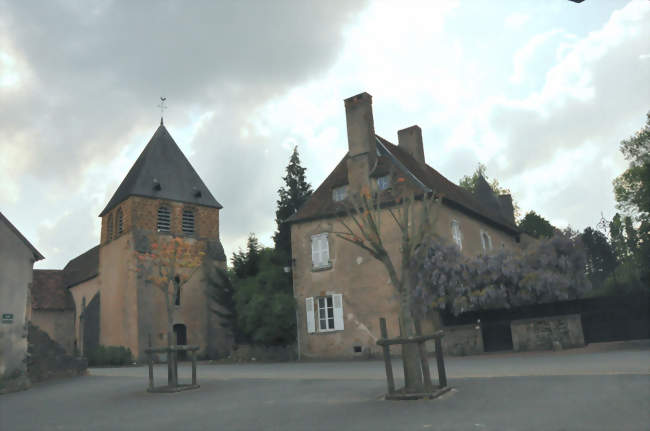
[292,195]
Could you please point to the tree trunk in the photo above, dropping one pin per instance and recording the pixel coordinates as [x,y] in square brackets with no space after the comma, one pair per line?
[410,354]
[170,332]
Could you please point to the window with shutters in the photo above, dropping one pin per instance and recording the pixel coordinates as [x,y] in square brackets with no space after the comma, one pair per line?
[188,221]
[320,251]
[164,219]
[119,222]
[457,235]
[486,241]
[327,315]
[109,227]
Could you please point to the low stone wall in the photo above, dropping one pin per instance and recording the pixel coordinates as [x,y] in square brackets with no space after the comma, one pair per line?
[47,359]
[546,333]
[460,340]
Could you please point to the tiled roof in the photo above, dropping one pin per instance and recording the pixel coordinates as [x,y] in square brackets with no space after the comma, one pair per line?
[163,172]
[37,255]
[82,268]
[49,291]
[321,205]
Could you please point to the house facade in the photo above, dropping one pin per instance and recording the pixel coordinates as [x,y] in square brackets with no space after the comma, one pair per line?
[17,257]
[340,289]
[161,198]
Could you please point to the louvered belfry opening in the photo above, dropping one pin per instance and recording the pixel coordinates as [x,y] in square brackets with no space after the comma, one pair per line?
[188,221]
[109,227]
[120,221]
[164,219]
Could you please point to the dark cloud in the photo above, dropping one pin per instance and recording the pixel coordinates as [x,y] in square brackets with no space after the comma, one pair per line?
[96,70]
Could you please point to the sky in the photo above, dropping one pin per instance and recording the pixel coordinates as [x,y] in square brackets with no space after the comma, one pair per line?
[542,93]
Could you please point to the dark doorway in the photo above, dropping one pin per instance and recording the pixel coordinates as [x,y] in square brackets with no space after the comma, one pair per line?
[497,335]
[181,339]
[90,326]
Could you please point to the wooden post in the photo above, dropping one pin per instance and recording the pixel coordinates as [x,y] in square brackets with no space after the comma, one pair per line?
[426,373]
[442,374]
[387,363]
[172,353]
[150,359]
[193,353]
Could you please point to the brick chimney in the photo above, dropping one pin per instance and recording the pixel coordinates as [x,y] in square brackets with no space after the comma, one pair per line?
[362,147]
[410,139]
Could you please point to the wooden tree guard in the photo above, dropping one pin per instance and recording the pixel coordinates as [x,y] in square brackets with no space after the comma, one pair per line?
[172,383]
[428,391]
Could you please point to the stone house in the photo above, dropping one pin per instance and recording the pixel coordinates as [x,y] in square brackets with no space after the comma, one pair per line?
[161,197]
[17,257]
[341,291]
[52,307]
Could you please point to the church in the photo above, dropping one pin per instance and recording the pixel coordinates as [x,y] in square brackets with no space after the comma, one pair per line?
[162,196]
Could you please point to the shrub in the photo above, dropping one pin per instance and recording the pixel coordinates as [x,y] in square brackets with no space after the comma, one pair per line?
[109,355]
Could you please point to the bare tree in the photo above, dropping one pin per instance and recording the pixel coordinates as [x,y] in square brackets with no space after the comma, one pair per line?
[415,214]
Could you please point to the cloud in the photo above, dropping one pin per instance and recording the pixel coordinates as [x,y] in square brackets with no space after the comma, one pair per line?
[90,73]
[594,95]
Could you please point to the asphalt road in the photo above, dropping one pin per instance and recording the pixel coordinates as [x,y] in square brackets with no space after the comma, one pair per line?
[606,387]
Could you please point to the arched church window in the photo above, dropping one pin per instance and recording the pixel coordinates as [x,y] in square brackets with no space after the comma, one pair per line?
[119,222]
[188,221]
[109,227]
[458,236]
[164,219]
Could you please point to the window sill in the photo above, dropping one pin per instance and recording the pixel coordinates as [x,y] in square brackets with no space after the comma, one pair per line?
[327,332]
[321,268]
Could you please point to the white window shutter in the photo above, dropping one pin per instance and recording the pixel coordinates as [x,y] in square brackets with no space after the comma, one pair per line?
[337,301]
[325,250]
[315,251]
[311,325]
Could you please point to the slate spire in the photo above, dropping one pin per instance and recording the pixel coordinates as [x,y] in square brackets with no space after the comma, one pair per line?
[163,172]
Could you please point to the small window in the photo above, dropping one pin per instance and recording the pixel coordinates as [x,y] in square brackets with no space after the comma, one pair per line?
[486,241]
[329,313]
[119,222]
[109,227]
[177,298]
[339,193]
[383,182]
[320,251]
[164,219]
[325,313]
[188,221]
[456,233]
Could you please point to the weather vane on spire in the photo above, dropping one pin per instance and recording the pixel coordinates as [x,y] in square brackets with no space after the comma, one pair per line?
[162,108]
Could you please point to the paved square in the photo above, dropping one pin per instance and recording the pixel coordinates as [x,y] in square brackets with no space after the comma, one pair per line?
[603,388]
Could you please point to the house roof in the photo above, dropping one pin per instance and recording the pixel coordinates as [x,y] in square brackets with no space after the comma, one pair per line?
[163,172]
[37,254]
[321,204]
[82,268]
[49,292]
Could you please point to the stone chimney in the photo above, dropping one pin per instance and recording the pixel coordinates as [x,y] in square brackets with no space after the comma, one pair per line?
[410,139]
[362,146]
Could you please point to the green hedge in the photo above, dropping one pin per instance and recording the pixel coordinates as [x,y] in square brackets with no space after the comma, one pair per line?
[110,355]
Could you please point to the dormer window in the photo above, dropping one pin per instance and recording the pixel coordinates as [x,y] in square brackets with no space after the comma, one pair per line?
[339,193]
[164,219]
[188,221]
[109,227]
[119,222]
[383,182]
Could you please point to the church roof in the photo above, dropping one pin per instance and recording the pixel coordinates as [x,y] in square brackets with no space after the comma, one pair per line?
[321,204]
[82,268]
[163,172]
